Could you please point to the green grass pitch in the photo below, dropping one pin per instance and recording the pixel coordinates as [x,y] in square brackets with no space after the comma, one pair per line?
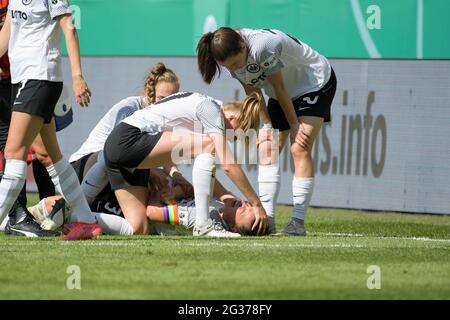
[411,251]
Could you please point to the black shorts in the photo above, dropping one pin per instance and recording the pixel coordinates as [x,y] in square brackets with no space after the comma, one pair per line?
[316,104]
[106,202]
[79,166]
[125,148]
[36,97]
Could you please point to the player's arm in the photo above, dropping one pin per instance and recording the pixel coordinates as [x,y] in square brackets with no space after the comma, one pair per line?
[4,35]
[80,87]
[178,180]
[155,210]
[235,173]
[224,195]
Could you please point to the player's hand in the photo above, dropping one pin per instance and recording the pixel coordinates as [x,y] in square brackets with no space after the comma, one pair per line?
[179,180]
[261,222]
[81,91]
[298,135]
[157,180]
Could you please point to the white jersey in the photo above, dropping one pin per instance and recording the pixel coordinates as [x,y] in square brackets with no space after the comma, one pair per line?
[303,69]
[35,41]
[96,139]
[186,212]
[183,111]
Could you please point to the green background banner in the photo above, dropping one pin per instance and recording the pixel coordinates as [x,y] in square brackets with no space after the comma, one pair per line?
[406,29]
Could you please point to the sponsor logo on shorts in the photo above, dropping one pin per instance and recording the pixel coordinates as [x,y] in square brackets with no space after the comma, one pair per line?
[26,2]
[308,100]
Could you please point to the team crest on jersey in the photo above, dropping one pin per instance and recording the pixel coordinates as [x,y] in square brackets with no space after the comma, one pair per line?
[26,2]
[253,68]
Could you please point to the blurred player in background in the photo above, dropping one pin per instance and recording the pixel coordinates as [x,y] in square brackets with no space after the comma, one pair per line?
[36,72]
[300,84]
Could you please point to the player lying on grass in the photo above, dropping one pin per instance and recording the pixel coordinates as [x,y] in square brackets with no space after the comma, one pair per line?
[169,206]
[182,126]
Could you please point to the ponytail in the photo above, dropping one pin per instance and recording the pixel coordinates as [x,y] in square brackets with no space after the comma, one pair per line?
[249,115]
[207,65]
[215,47]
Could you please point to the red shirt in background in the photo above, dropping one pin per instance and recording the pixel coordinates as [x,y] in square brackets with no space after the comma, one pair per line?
[4,61]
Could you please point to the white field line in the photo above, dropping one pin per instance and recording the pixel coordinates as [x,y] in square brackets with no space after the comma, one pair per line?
[226,243]
[204,244]
[332,234]
[269,245]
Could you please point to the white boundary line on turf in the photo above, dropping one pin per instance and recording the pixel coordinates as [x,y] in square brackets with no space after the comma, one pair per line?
[332,234]
[269,245]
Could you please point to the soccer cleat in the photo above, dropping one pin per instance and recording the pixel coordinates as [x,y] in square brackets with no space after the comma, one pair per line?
[213,229]
[21,223]
[84,231]
[296,227]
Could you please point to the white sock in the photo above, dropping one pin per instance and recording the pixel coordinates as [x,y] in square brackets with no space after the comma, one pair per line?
[112,224]
[302,189]
[95,180]
[269,187]
[66,182]
[12,182]
[3,224]
[203,178]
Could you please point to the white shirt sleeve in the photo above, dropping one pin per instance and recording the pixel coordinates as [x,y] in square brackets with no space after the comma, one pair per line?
[268,53]
[210,115]
[58,7]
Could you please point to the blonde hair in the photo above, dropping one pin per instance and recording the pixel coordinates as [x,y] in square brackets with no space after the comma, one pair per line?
[248,111]
[159,73]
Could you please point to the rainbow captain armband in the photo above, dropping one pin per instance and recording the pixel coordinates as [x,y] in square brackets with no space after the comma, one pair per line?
[170,212]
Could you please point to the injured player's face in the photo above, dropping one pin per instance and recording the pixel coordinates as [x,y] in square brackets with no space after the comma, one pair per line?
[244,219]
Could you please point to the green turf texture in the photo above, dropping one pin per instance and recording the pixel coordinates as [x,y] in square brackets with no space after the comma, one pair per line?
[412,251]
